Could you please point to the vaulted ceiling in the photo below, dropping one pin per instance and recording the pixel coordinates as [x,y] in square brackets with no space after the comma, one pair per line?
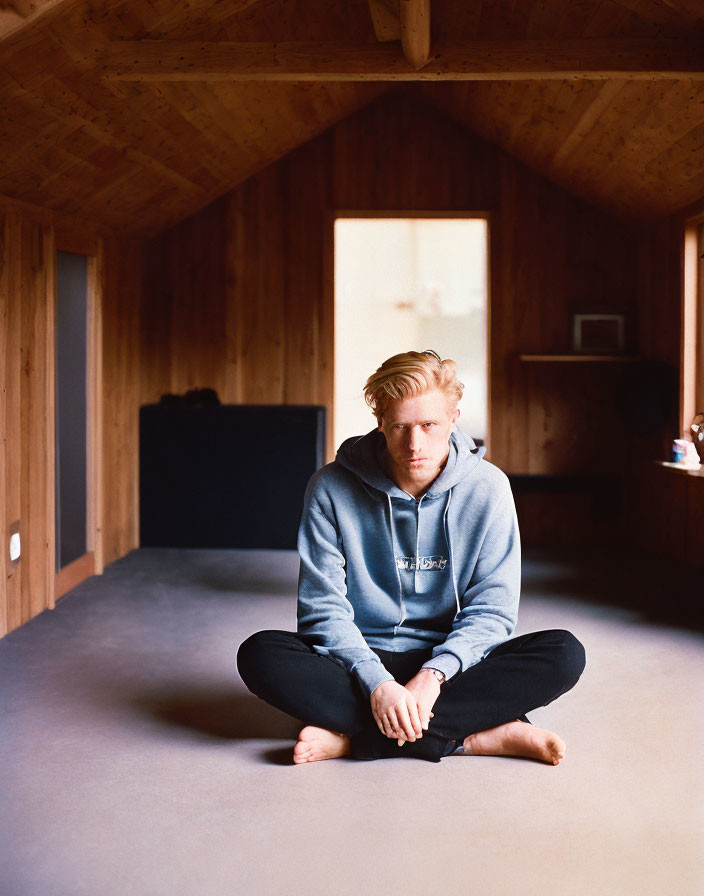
[140,135]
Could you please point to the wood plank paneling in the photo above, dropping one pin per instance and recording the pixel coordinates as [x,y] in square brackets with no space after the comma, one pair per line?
[668,515]
[12,263]
[631,149]
[262,312]
[95,405]
[28,238]
[666,505]
[306,362]
[28,430]
[123,385]
[695,524]
[34,503]
[4,321]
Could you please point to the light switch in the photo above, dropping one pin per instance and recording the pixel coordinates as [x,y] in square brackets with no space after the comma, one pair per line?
[15,547]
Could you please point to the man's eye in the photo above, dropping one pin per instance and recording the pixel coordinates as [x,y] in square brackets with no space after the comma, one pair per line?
[428,424]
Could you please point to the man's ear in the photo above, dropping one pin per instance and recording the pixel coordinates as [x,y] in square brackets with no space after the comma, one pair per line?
[378,423]
[455,418]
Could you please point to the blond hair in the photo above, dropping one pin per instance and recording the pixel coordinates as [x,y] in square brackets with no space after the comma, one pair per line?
[409,374]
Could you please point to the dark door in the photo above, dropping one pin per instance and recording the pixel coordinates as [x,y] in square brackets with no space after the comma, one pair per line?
[70,403]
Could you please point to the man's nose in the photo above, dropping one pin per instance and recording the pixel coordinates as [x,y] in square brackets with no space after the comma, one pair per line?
[414,440]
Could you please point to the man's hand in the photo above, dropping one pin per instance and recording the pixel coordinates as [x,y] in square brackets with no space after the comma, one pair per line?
[395,710]
[425,688]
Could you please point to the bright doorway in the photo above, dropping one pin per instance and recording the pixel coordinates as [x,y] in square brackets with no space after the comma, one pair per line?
[409,283]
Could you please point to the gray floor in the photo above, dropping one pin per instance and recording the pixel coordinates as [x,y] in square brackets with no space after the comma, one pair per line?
[135,761]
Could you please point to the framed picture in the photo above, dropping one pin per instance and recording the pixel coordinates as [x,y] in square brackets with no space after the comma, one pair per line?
[597,333]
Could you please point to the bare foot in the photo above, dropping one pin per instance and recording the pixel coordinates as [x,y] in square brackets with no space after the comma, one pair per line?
[516,739]
[319,743]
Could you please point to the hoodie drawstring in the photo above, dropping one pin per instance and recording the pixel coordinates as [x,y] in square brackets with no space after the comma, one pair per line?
[417,563]
[449,548]
[398,574]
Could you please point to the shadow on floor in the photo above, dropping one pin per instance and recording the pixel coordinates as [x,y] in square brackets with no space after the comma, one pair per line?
[222,715]
[616,576]
[245,585]
[278,756]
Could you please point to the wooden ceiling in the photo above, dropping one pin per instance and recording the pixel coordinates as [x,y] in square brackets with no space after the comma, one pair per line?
[605,97]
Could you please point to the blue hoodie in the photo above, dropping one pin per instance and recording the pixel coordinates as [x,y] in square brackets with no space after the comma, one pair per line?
[382,569]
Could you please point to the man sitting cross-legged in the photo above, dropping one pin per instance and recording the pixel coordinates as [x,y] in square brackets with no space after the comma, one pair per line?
[408,595]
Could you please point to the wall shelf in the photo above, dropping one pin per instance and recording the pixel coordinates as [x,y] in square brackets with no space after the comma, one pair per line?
[681,468]
[623,359]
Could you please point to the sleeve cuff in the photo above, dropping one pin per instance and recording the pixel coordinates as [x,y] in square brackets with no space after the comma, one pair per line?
[372,673]
[447,663]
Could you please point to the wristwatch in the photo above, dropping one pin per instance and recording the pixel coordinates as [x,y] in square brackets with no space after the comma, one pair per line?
[438,674]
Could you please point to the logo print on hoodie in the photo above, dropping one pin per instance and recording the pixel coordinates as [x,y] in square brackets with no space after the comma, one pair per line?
[435,562]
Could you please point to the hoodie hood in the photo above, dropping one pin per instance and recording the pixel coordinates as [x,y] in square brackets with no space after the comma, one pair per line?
[363,456]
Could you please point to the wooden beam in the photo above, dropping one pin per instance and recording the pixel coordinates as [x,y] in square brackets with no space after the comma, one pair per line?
[407,21]
[16,15]
[415,31]
[20,14]
[385,19]
[590,59]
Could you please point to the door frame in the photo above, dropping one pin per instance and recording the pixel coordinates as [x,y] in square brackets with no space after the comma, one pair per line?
[91,563]
[328,317]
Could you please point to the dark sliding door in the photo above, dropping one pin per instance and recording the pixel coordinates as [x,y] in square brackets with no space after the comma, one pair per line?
[70,402]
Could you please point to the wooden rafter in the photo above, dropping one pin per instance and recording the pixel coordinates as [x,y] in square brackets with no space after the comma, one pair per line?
[415,31]
[592,59]
[18,15]
[407,21]
[385,19]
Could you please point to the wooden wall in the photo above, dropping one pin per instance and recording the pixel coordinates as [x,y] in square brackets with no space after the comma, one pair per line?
[666,505]
[667,520]
[238,297]
[27,259]
[27,275]
[123,387]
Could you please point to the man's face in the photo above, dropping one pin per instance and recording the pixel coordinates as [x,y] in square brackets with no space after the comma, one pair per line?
[417,432]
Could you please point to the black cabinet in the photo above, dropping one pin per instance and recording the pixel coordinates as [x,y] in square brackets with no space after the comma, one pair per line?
[226,476]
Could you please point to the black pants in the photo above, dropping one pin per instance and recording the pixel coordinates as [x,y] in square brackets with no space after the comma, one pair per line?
[517,676]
